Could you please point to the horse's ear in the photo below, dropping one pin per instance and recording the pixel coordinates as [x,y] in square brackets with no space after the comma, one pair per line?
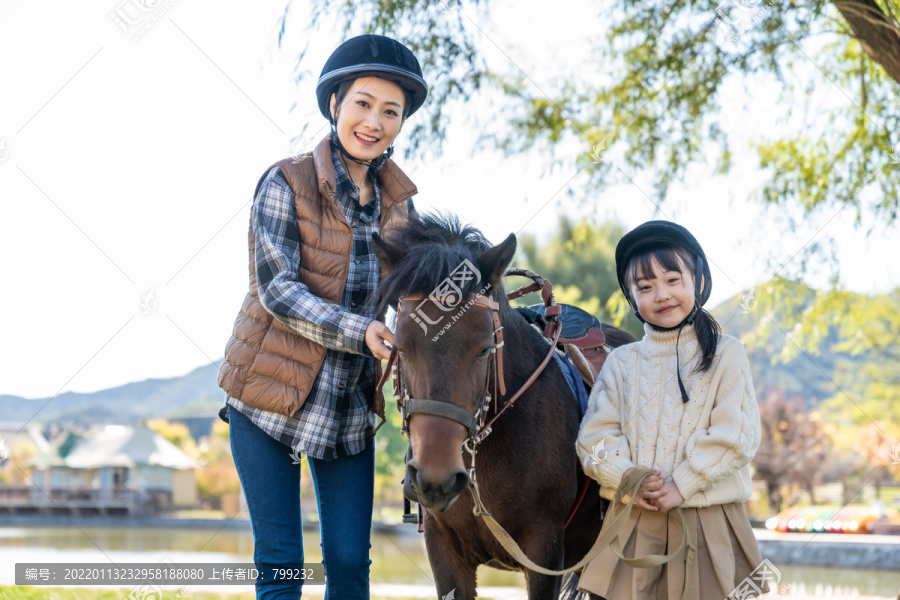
[495,261]
[388,254]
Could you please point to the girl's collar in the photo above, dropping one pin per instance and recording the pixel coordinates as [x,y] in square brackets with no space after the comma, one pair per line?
[668,338]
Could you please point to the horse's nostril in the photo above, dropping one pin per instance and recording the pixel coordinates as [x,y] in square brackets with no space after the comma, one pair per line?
[459,482]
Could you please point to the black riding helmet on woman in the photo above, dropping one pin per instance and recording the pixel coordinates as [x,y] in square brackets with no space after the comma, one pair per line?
[368,56]
[300,367]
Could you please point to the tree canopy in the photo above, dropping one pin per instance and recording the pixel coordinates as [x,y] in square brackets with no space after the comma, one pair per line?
[665,65]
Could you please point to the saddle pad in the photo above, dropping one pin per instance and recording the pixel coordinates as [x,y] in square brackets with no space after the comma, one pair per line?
[574,381]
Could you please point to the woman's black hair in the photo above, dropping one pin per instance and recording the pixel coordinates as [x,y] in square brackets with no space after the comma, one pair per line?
[676,258]
[341,92]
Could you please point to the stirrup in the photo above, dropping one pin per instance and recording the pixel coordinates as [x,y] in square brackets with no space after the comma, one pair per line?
[408,515]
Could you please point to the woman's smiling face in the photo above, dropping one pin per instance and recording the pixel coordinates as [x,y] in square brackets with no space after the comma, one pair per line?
[370,116]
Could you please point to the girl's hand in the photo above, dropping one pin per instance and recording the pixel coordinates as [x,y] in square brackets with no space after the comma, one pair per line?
[651,489]
[671,497]
[377,334]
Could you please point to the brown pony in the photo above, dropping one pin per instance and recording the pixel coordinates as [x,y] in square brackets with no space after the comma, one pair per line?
[527,470]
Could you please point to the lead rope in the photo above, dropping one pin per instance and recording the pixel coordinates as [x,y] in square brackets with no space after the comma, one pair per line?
[609,536]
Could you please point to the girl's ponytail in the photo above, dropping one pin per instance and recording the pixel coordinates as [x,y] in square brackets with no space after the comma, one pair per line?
[708,330]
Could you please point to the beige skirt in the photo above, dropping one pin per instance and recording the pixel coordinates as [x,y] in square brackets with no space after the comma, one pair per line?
[727,553]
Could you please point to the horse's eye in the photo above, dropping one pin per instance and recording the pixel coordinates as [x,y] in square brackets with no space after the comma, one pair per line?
[484,352]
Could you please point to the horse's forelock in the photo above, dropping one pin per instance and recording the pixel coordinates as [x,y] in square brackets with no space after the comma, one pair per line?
[435,246]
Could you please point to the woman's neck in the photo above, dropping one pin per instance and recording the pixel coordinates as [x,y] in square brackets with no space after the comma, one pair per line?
[358,173]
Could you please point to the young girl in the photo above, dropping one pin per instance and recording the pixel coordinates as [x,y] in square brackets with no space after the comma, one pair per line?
[680,404]
[300,367]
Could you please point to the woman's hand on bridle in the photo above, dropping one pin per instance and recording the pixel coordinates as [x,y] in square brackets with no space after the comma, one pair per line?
[377,334]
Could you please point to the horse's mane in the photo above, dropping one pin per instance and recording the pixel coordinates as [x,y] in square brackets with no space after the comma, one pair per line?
[435,245]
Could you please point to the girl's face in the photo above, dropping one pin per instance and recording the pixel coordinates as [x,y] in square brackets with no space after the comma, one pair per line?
[369,117]
[664,297]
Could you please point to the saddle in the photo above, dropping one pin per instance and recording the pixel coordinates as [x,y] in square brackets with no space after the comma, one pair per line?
[582,337]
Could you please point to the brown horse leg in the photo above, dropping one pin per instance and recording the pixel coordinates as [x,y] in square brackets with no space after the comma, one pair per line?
[452,573]
[545,547]
[453,578]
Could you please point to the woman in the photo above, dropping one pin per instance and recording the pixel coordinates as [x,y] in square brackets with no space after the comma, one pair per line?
[300,367]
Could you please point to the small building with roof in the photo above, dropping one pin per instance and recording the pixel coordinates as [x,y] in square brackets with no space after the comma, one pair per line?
[114,469]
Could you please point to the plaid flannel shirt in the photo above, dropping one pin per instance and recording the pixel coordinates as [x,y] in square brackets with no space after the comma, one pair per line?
[335,420]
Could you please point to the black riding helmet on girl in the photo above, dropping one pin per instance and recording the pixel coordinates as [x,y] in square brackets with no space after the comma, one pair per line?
[670,245]
[370,56]
[652,235]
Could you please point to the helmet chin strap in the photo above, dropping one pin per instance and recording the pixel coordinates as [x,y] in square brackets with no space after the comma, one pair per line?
[688,320]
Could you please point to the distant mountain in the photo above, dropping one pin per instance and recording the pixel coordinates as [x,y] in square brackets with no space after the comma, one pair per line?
[195,394]
[809,376]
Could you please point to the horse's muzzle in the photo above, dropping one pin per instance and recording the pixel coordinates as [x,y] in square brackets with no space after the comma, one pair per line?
[437,496]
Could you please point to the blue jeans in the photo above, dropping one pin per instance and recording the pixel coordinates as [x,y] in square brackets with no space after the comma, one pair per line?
[344,495]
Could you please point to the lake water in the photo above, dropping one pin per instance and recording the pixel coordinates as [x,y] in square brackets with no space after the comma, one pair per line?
[396,557]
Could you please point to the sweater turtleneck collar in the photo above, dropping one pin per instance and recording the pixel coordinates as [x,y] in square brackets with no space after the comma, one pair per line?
[668,338]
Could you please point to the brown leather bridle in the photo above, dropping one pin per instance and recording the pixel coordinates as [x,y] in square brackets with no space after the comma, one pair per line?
[476,426]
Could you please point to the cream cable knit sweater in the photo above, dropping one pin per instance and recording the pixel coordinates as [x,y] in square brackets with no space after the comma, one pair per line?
[635,417]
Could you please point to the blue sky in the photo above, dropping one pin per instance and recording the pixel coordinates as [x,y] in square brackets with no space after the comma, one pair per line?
[127,169]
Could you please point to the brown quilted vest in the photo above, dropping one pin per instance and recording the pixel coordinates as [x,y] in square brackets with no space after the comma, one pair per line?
[267,365]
